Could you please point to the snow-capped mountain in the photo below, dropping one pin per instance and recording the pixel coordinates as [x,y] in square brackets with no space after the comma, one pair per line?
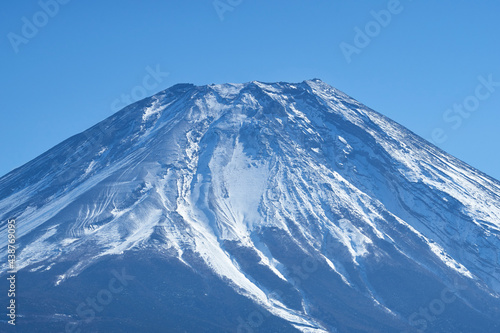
[253,208]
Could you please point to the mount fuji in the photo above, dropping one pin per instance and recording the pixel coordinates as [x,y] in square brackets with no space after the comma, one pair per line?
[256,207]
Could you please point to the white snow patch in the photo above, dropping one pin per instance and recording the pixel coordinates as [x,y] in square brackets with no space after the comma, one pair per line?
[449,261]
[68,241]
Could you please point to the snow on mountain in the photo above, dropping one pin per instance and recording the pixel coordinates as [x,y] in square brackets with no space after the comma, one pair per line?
[316,210]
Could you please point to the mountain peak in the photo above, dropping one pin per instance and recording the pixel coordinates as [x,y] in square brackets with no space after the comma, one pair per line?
[292,198]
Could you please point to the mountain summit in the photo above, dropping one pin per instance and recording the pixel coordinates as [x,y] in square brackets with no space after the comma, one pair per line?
[257,207]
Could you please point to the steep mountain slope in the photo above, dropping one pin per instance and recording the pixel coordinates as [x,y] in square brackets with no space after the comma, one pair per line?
[254,207]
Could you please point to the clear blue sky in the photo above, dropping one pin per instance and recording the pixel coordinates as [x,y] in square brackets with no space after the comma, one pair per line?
[87,56]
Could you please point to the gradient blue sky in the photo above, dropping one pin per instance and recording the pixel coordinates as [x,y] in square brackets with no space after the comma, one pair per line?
[72,73]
